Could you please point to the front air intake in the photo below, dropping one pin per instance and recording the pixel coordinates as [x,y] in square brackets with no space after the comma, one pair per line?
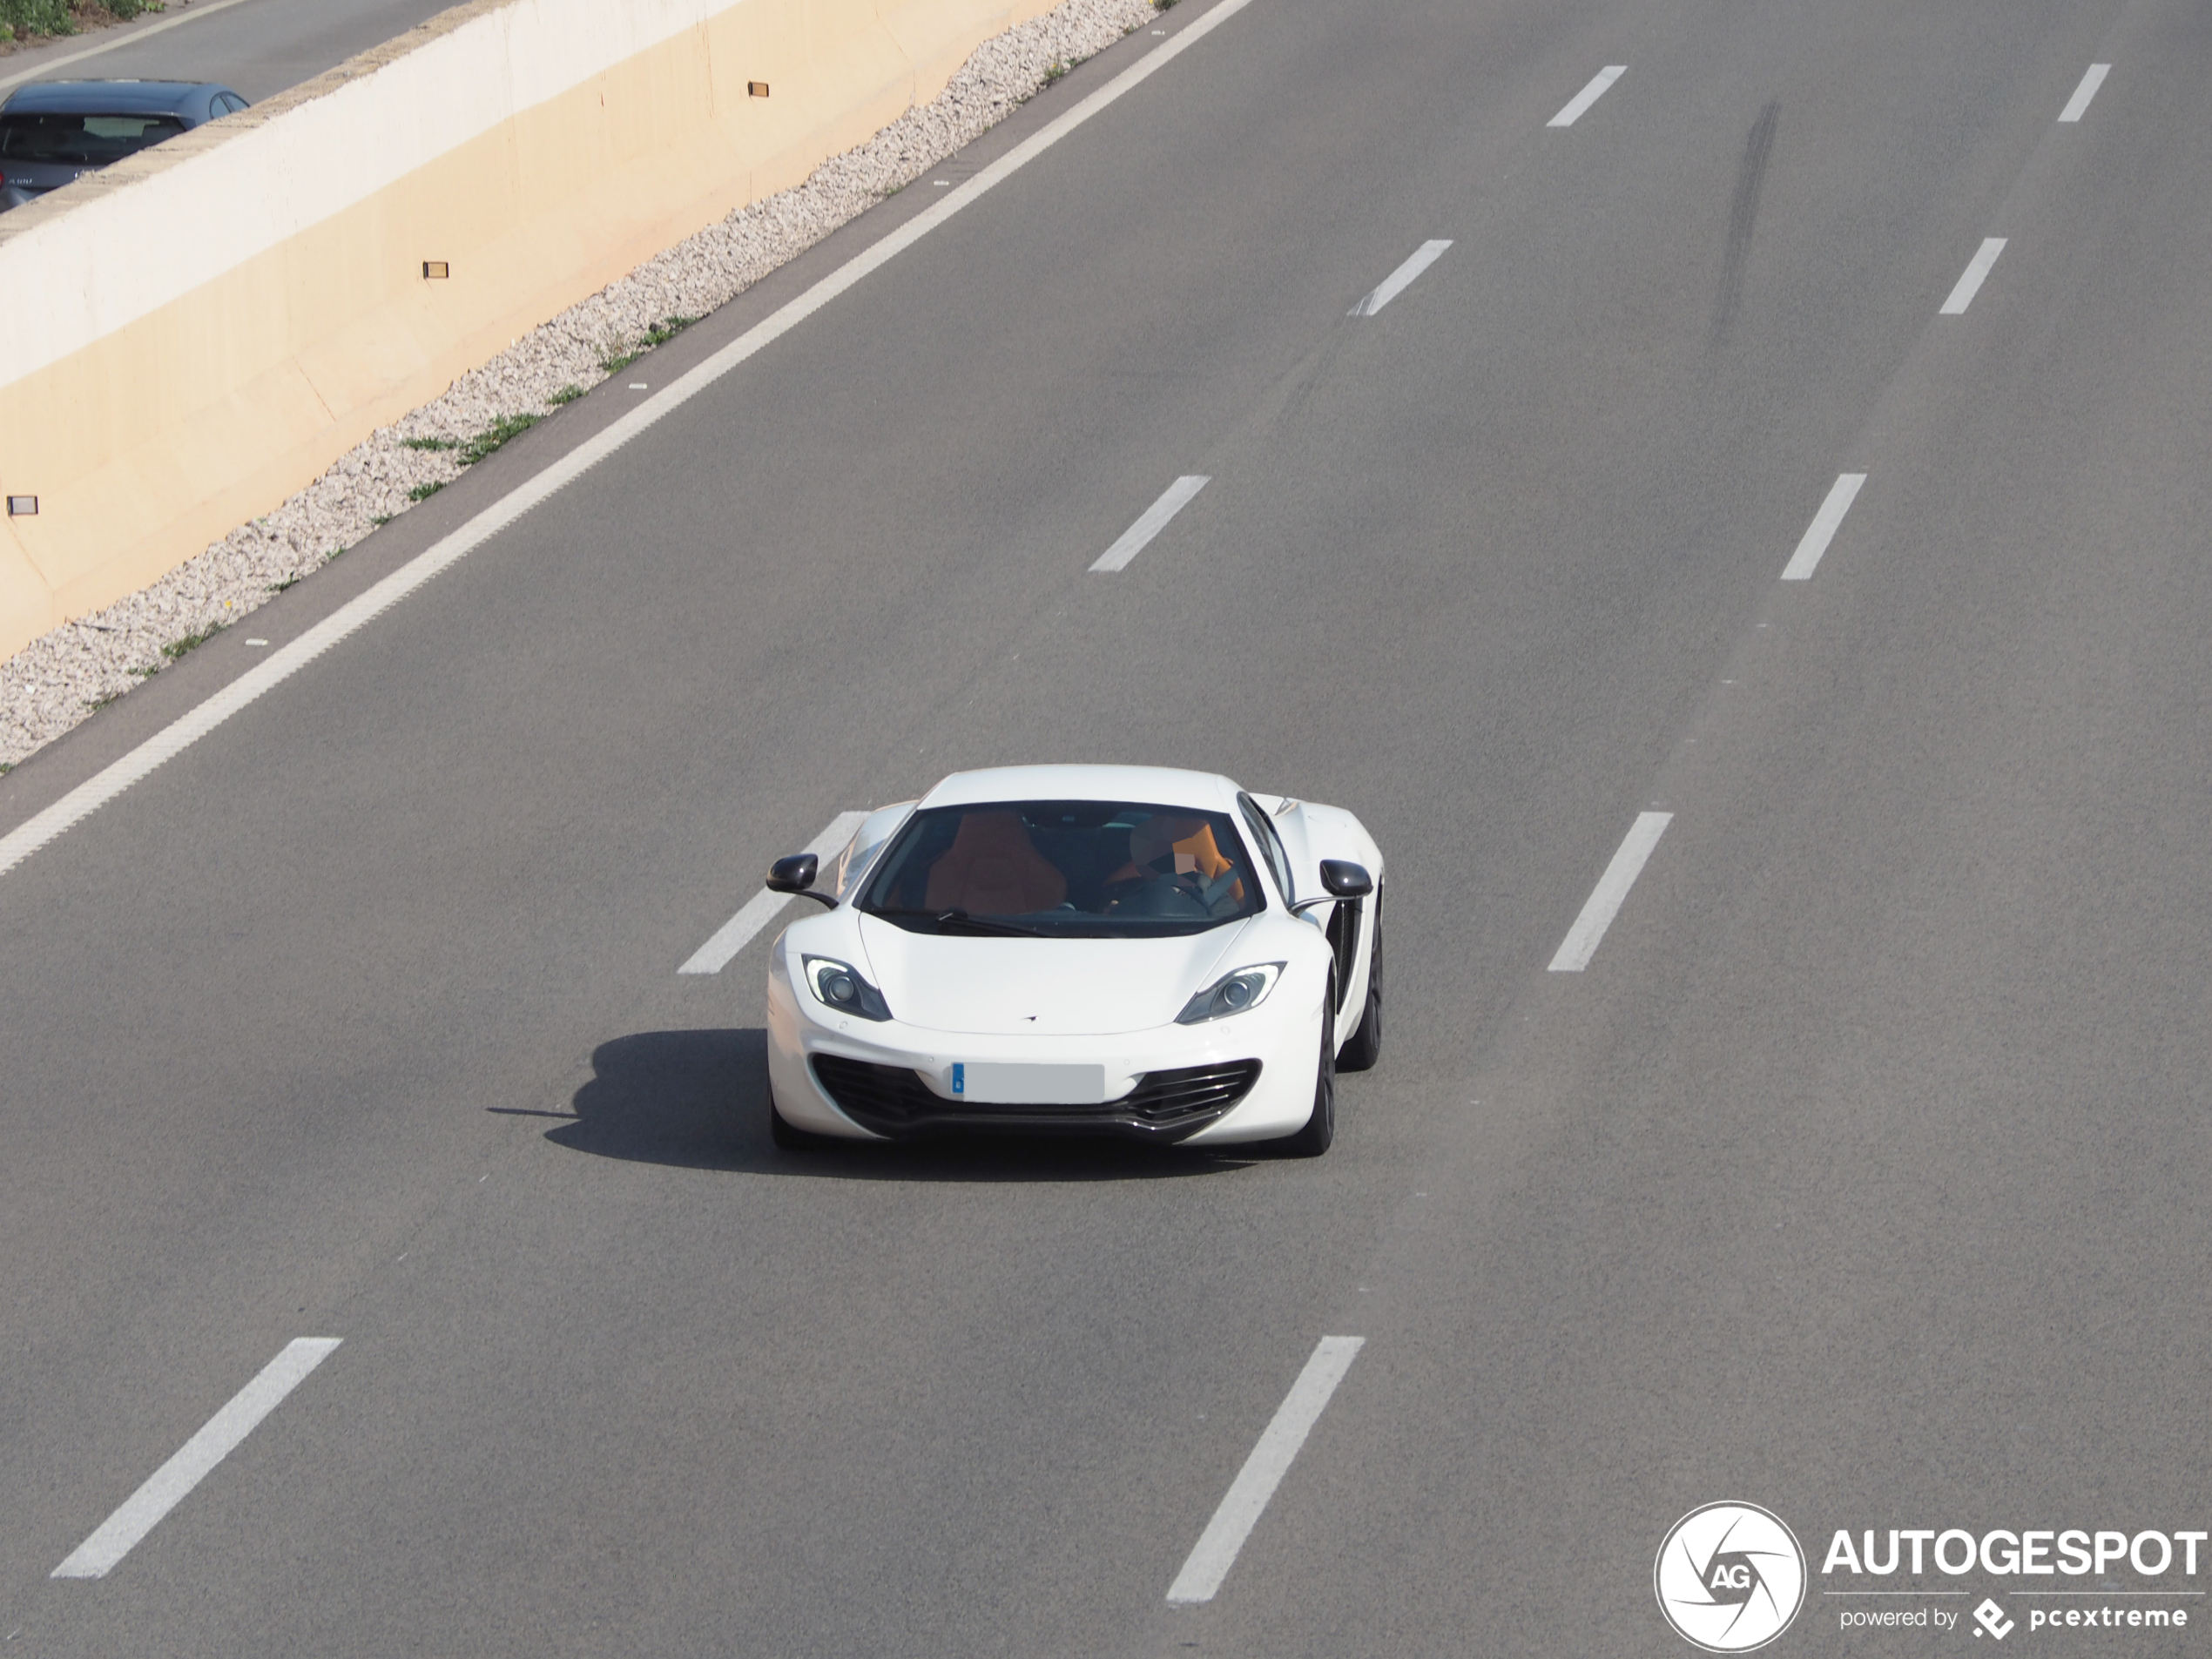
[1164,1105]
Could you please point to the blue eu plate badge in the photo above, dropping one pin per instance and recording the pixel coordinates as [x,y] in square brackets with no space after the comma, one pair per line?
[960,1078]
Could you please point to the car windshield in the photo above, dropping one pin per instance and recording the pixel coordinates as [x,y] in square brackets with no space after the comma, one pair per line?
[1058,869]
[86,140]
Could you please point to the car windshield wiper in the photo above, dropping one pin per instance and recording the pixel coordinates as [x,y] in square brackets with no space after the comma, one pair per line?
[958,919]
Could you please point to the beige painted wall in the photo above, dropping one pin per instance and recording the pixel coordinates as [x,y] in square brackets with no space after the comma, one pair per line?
[163,432]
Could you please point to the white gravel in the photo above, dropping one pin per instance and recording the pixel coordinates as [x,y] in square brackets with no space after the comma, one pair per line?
[57,680]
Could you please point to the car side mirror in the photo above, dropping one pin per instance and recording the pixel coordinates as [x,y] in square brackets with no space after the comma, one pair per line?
[796,875]
[1346,880]
[1341,879]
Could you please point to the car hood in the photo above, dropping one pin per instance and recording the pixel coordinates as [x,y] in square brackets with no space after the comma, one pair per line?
[1039,986]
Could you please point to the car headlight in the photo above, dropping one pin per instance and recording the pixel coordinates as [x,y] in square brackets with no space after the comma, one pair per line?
[1231,994]
[838,985]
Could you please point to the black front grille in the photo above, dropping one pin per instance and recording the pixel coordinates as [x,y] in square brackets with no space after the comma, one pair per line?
[1172,1096]
[1164,1105]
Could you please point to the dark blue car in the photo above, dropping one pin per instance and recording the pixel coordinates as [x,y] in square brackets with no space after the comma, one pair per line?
[52,131]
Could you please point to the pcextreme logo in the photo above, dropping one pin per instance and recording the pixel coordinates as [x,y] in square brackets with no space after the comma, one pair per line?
[1730,1577]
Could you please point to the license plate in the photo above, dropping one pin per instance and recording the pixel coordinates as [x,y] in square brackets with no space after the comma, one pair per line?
[990,1083]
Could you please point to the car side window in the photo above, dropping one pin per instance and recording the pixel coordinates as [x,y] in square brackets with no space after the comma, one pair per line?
[1270,848]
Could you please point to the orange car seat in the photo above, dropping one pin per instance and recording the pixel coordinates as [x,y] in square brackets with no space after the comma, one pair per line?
[992,869]
[1191,842]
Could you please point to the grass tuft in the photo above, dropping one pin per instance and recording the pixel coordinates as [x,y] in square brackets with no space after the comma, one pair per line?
[501,432]
[37,18]
[177,648]
[566,394]
[433,444]
[423,492]
[24,19]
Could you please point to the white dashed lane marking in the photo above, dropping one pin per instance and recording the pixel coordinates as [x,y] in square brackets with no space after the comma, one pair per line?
[1970,279]
[1822,530]
[759,910]
[2078,105]
[1588,931]
[173,1482]
[1133,540]
[1588,95]
[1400,280]
[1215,1550]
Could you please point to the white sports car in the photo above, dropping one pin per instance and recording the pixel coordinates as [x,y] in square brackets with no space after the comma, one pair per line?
[1122,949]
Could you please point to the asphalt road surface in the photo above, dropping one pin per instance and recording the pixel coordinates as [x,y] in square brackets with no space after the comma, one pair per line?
[257,48]
[1858,1173]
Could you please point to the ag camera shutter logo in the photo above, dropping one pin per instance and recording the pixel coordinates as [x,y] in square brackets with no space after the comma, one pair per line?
[1730,1577]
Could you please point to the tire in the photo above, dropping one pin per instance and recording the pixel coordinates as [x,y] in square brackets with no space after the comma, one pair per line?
[1320,1129]
[1366,1046]
[790,1138]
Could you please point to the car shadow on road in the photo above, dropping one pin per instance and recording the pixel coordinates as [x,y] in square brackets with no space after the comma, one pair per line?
[699,1100]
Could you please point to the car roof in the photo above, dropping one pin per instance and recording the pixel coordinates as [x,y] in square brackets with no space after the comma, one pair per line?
[110,98]
[1168,785]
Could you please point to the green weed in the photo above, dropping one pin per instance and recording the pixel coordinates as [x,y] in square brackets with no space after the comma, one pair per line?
[501,432]
[179,648]
[423,492]
[566,394]
[38,17]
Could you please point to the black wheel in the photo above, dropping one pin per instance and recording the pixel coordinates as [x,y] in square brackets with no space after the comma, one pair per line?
[1365,1046]
[1320,1129]
[791,1138]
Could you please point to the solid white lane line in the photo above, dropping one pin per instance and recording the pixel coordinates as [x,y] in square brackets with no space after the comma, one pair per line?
[2078,104]
[1173,500]
[1215,1550]
[1588,95]
[1581,941]
[1970,280]
[1398,280]
[143,1510]
[280,665]
[129,38]
[759,910]
[1822,530]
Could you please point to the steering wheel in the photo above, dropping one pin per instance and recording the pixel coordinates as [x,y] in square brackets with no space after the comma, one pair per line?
[1159,896]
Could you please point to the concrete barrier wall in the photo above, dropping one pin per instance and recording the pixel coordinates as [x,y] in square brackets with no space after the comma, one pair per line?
[192,335]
